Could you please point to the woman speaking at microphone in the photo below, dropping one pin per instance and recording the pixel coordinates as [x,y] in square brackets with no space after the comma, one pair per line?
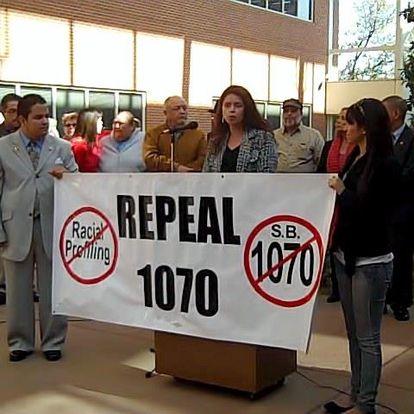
[367,189]
[240,140]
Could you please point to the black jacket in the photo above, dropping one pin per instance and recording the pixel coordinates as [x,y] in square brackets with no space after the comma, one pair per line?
[364,221]
[404,154]
[323,161]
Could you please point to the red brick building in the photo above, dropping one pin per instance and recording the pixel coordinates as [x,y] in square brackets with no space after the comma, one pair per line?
[194,48]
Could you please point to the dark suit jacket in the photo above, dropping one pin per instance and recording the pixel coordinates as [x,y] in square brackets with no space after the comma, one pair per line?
[404,154]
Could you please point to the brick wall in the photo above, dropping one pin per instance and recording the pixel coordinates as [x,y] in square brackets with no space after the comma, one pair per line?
[221,22]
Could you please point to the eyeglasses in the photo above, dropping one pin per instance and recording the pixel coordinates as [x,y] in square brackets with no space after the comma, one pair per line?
[70,125]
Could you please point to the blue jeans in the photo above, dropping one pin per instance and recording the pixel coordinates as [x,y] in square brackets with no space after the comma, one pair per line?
[363,300]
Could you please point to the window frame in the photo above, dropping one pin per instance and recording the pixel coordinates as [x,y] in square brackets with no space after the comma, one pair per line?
[54,89]
[334,51]
[266,8]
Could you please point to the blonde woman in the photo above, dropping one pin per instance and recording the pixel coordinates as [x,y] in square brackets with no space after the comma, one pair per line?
[84,143]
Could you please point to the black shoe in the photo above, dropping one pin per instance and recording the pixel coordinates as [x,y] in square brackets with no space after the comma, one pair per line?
[52,355]
[332,298]
[333,408]
[35,296]
[401,313]
[2,298]
[19,355]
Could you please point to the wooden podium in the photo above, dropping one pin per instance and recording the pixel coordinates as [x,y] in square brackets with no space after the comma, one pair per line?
[243,367]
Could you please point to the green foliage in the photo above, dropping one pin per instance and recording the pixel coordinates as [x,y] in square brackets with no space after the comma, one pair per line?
[407,72]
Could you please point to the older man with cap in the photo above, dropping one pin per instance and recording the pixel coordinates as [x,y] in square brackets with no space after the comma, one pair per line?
[121,151]
[300,147]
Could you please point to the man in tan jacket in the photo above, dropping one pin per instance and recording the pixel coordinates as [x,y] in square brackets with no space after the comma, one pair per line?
[189,146]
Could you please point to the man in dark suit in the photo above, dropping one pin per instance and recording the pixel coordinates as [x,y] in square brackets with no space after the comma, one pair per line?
[400,295]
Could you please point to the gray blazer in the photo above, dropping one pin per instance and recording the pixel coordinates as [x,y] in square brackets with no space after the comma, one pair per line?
[258,153]
[18,185]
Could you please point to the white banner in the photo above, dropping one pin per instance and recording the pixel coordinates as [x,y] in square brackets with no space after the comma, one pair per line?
[231,257]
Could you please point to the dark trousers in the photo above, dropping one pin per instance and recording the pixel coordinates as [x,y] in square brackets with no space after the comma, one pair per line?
[401,292]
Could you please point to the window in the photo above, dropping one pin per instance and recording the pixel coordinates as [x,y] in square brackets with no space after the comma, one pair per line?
[291,7]
[45,93]
[161,73]
[319,83]
[39,43]
[103,57]
[298,8]
[366,65]
[132,103]
[276,5]
[208,79]
[68,100]
[105,102]
[3,33]
[308,82]
[274,115]
[306,120]
[63,100]
[284,78]
[366,40]
[260,3]
[6,89]
[255,81]
[261,107]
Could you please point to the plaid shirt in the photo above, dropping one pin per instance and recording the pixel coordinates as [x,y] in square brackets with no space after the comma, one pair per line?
[258,153]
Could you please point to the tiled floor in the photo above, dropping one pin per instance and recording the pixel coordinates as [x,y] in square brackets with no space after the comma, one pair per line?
[103,372]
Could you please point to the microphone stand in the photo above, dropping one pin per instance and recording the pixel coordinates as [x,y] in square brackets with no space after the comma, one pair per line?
[172,147]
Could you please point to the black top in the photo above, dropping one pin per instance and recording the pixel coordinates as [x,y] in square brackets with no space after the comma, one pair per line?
[229,160]
[323,162]
[6,131]
[404,154]
[364,221]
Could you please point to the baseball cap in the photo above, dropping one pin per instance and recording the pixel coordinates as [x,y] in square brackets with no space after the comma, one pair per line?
[295,103]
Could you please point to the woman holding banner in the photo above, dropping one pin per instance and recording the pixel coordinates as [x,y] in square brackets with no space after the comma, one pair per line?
[240,140]
[366,188]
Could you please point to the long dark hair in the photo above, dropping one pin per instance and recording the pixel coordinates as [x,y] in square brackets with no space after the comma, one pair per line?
[86,125]
[371,115]
[251,120]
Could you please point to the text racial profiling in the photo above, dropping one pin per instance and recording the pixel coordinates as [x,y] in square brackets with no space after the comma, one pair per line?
[84,242]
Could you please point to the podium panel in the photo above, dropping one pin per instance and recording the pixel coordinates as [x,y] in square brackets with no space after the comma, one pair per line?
[242,367]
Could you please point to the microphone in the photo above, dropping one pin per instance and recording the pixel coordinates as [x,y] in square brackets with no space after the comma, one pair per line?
[190,125]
